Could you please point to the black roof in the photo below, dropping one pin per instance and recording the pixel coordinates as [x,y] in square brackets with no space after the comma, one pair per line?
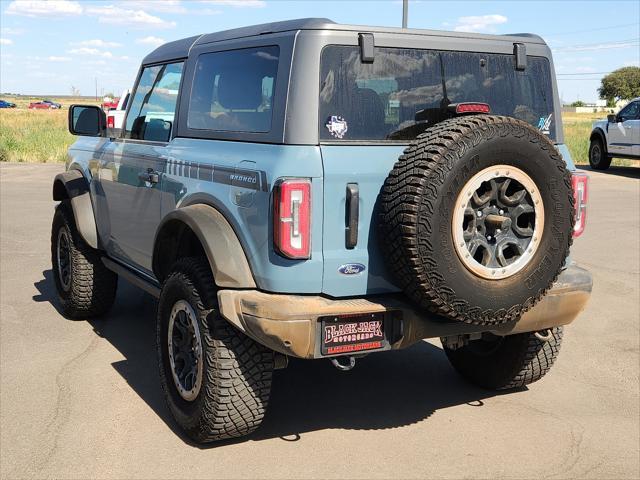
[180,48]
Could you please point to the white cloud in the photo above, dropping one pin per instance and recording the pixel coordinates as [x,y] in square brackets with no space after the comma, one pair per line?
[122,16]
[11,31]
[151,40]
[236,3]
[53,58]
[166,6]
[6,41]
[480,23]
[90,51]
[97,43]
[36,8]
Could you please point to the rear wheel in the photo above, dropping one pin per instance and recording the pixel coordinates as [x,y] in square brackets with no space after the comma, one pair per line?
[216,380]
[502,363]
[598,158]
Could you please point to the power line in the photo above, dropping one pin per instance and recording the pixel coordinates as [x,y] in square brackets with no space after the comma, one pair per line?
[583,73]
[611,27]
[630,42]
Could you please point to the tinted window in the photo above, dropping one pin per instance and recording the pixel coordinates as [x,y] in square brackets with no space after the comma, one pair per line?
[630,112]
[153,106]
[233,90]
[406,90]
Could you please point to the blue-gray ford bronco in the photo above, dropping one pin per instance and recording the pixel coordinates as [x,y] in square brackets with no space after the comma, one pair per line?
[313,190]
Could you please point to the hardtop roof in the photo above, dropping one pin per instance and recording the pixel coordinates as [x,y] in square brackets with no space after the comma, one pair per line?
[180,48]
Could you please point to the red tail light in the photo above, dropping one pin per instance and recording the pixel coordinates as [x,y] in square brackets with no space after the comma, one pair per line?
[580,183]
[111,121]
[472,108]
[292,218]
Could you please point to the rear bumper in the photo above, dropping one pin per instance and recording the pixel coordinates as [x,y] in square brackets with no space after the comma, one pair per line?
[289,323]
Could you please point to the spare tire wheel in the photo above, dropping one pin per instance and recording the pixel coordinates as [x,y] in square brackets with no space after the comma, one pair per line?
[476,218]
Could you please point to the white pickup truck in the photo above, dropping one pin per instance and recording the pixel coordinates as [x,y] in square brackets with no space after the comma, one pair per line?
[617,136]
[115,118]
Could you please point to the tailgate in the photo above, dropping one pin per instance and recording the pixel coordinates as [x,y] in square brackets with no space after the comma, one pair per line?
[367,167]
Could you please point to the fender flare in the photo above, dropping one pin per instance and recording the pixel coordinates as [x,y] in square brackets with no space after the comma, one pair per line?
[73,186]
[598,132]
[219,241]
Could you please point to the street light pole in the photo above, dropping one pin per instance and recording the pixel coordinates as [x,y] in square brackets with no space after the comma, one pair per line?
[405,12]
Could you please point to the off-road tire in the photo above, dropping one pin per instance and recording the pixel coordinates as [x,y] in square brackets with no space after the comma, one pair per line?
[236,383]
[598,157]
[92,287]
[516,361]
[416,211]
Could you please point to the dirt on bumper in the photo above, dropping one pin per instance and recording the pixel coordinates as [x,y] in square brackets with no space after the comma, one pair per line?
[289,324]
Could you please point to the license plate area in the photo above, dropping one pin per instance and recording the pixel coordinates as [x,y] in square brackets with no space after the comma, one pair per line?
[353,333]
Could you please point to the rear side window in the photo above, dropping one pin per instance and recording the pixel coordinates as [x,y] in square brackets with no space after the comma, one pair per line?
[153,106]
[405,91]
[233,90]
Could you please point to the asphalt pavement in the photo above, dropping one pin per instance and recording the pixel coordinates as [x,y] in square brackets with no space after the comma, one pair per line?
[81,399]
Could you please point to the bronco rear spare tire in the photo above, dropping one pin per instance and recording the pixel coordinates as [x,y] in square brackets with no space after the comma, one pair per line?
[477,218]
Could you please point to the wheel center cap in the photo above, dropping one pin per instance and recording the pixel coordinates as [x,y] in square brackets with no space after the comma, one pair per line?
[498,221]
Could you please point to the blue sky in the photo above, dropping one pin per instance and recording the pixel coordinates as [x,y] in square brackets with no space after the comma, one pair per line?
[48,46]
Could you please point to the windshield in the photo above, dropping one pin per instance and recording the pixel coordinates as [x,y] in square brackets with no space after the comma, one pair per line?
[404,91]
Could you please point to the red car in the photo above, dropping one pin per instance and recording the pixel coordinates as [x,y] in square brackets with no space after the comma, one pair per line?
[44,104]
[112,105]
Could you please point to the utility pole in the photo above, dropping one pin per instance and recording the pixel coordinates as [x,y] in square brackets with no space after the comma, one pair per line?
[405,12]
[96,78]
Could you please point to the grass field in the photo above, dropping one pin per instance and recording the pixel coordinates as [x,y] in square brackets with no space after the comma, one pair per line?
[42,136]
[36,135]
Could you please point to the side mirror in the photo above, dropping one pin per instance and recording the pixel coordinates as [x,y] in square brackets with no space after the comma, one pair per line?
[612,118]
[87,120]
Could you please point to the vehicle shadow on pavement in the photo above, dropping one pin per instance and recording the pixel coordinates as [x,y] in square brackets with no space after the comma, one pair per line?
[385,390]
[628,172]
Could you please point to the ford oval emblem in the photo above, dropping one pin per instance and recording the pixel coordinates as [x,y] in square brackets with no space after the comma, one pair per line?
[351,268]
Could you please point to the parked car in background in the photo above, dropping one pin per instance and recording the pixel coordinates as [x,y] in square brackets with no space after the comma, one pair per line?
[110,104]
[617,136]
[5,104]
[45,105]
[116,117]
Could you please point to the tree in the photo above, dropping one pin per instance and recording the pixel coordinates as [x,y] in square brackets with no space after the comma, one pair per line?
[621,84]
[75,91]
[578,103]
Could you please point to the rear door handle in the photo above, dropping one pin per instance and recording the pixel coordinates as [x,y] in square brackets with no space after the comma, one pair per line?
[150,176]
[352,205]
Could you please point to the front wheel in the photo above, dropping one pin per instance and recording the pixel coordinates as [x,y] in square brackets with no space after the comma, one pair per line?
[86,288]
[502,363]
[598,158]
[216,380]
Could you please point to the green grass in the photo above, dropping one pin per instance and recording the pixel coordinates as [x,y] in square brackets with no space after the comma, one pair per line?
[34,136]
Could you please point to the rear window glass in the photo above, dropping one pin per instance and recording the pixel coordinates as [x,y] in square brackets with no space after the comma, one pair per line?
[233,90]
[406,90]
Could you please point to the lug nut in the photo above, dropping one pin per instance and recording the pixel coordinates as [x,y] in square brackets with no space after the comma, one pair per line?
[479,214]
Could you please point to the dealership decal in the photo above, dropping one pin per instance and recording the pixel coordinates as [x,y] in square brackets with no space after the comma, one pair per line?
[353,332]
